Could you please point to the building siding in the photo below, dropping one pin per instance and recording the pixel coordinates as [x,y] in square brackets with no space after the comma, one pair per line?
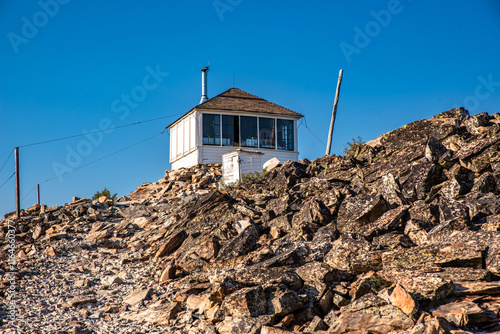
[186,149]
[188,160]
[213,155]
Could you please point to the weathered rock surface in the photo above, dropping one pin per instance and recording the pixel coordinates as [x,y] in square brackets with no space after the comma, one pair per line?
[402,234]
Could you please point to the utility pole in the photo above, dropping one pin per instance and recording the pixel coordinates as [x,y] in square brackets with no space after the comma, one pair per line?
[334,113]
[18,199]
[38,194]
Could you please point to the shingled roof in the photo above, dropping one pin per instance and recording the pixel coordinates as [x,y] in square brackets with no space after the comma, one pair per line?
[235,99]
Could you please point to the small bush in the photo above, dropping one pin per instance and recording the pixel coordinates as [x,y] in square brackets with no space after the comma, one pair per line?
[351,147]
[106,193]
[252,176]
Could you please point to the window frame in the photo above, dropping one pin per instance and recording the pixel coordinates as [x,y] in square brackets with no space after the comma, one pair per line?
[214,133]
[275,121]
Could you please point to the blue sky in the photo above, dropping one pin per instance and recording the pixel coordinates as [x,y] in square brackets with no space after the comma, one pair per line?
[67,66]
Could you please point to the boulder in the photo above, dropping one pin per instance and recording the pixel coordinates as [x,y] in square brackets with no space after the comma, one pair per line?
[360,210]
[137,296]
[421,285]
[461,314]
[311,217]
[420,179]
[240,245]
[344,250]
[270,164]
[378,319]
[247,302]
[434,150]
[243,325]
[283,301]
[318,272]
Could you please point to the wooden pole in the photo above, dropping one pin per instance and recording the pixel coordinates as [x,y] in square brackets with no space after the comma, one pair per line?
[38,194]
[334,113]
[18,198]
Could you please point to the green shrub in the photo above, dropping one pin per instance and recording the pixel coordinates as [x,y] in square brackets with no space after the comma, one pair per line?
[351,147]
[106,193]
[248,177]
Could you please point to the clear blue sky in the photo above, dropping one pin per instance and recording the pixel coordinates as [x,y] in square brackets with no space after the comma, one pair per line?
[64,69]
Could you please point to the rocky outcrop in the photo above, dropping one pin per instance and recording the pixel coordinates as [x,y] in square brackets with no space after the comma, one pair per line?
[402,234]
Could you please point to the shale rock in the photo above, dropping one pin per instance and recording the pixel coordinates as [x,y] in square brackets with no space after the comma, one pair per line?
[402,234]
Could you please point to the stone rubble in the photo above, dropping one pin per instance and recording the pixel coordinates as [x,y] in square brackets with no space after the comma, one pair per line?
[401,234]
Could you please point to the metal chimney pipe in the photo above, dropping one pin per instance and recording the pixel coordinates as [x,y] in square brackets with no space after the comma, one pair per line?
[204,96]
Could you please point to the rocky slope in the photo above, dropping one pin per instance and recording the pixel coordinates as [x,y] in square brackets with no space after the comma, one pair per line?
[402,234]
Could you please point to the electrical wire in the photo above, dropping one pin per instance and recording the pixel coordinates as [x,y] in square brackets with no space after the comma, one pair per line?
[28,194]
[6,160]
[313,133]
[10,177]
[104,157]
[98,131]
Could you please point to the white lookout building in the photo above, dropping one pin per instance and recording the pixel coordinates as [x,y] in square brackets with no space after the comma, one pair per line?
[236,124]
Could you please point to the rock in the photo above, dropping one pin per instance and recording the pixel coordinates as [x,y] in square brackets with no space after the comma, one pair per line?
[360,210]
[81,300]
[451,210]
[344,250]
[420,179]
[485,183]
[261,276]
[279,206]
[493,256]
[454,188]
[491,223]
[370,282]
[247,302]
[480,205]
[168,273]
[434,150]
[158,315]
[270,164]
[391,191]
[49,251]
[243,325]
[325,303]
[311,217]
[198,303]
[476,122]
[273,330]
[389,221]
[317,324]
[242,224]
[208,248]
[403,300]
[283,301]
[461,314]
[428,324]
[477,288]
[215,314]
[458,113]
[419,284]
[379,319]
[444,255]
[239,245]
[356,242]
[137,296]
[171,244]
[318,272]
